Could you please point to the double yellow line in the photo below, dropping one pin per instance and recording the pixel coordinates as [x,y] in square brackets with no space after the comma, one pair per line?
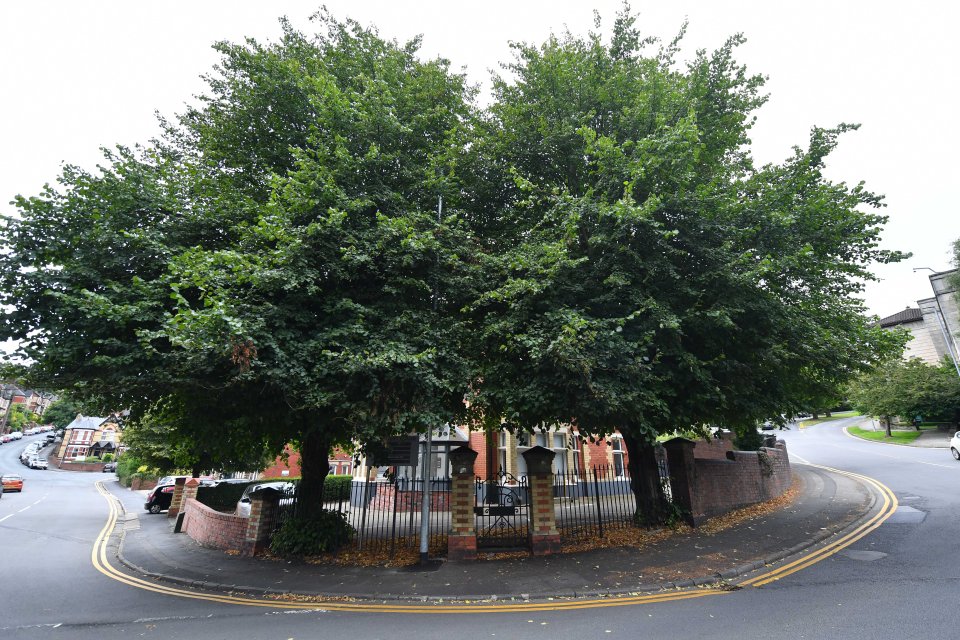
[100,560]
[102,564]
[886,510]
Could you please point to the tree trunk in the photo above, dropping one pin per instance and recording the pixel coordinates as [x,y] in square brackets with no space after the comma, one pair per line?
[314,467]
[887,420]
[203,462]
[652,508]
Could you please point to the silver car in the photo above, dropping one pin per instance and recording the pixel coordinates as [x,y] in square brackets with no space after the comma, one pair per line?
[286,488]
[955,445]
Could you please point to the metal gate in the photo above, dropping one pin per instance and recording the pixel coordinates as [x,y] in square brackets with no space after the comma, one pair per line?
[503,513]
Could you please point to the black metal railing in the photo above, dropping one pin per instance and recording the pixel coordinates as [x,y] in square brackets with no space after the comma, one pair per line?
[593,501]
[385,514]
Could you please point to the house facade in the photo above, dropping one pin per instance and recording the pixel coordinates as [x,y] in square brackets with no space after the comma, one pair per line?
[287,465]
[90,436]
[933,325]
[502,455]
[31,400]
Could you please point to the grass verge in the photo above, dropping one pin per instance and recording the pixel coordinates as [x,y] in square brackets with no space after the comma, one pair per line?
[880,435]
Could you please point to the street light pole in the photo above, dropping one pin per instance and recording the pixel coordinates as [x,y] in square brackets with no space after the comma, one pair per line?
[948,341]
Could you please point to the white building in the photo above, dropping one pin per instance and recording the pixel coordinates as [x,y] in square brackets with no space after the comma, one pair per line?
[934,325]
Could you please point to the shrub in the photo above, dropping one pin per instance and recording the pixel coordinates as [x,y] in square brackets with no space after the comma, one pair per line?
[337,488]
[750,440]
[107,457]
[323,533]
[129,467]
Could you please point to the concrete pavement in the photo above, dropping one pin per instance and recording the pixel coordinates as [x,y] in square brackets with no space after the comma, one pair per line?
[826,504]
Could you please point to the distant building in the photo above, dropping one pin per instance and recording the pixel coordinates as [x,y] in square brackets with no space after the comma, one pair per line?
[90,436]
[934,325]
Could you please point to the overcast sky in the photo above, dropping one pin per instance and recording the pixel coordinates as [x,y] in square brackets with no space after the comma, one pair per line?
[80,74]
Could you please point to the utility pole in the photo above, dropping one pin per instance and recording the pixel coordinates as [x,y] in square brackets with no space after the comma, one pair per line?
[427,466]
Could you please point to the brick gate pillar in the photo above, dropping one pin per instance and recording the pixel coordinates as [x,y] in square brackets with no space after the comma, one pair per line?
[462,540]
[189,493]
[177,500]
[683,481]
[264,505]
[544,537]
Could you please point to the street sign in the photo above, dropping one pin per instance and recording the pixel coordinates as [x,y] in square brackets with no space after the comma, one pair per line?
[402,450]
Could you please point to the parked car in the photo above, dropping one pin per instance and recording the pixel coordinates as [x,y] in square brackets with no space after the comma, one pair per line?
[36,462]
[955,445]
[205,482]
[169,480]
[5,438]
[109,467]
[16,435]
[159,499]
[243,505]
[11,482]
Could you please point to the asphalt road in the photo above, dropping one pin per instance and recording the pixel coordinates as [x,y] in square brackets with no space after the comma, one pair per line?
[898,582]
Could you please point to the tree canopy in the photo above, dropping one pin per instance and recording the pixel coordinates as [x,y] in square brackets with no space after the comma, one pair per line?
[279,267]
[908,389]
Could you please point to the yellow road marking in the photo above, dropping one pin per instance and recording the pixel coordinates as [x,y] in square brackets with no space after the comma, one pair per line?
[886,510]
[102,564]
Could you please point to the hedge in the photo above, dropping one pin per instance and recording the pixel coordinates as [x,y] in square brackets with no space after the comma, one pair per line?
[337,488]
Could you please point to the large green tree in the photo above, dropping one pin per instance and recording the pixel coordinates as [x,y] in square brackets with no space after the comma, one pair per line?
[908,389]
[656,280]
[345,288]
[87,289]
[277,266]
[62,411]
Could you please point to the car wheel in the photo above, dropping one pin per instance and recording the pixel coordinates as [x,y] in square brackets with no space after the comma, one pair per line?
[956,454]
[154,508]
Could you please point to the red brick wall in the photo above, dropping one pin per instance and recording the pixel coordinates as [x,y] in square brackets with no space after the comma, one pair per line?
[744,478]
[213,529]
[407,500]
[340,462]
[139,484]
[478,442]
[714,448]
[65,465]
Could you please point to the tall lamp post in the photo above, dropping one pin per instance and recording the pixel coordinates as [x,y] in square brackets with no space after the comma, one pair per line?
[947,338]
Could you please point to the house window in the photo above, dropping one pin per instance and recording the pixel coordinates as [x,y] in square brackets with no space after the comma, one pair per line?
[560,451]
[576,449]
[618,466]
[502,451]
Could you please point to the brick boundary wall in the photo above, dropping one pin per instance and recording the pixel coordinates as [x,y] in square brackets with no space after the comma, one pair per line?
[715,448]
[65,465]
[213,529]
[139,484]
[742,479]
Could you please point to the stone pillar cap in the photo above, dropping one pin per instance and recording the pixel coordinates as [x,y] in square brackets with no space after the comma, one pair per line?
[539,460]
[462,459]
[463,453]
